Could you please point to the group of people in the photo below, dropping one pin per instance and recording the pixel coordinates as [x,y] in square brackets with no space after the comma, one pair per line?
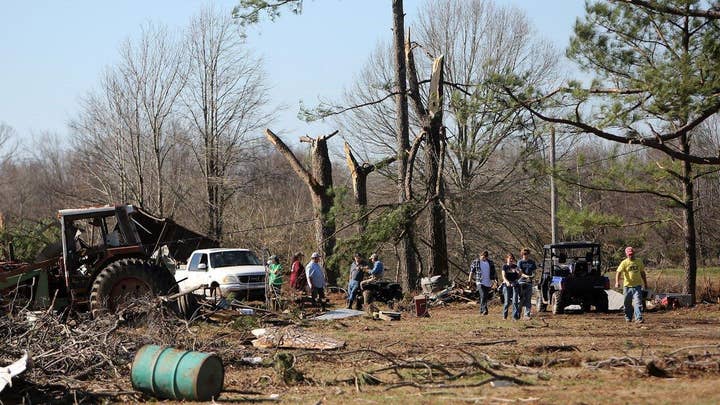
[517,283]
[356,282]
[311,277]
[516,286]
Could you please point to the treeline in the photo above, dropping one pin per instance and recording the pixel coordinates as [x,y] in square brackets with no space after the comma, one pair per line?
[176,127]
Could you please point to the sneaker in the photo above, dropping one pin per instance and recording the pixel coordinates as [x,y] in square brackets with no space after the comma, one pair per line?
[628,319]
[639,321]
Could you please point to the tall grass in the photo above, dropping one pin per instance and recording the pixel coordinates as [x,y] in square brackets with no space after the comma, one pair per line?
[672,280]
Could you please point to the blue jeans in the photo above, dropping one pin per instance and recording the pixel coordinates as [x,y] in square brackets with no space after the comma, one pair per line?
[633,298]
[484,293]
[353,291]
[511,294]
[526,297]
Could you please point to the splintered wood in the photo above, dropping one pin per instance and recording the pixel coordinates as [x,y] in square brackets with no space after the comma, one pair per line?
[293,338]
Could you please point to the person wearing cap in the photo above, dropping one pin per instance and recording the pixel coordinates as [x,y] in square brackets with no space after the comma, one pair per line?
[483,271]
[316,279]
[356,277]
[297,274]
[275,275]
[527,268]
[376,273]
[633,273]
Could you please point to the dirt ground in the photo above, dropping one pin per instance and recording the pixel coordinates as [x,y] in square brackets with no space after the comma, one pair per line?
[454,356]
[459,356]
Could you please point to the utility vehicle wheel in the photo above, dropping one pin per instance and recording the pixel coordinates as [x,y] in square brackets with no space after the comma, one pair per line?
[540,305]
[601,305]
[556,303]
[127,278]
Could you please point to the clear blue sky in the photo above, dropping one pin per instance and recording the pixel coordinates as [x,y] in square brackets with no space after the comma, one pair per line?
[52,52]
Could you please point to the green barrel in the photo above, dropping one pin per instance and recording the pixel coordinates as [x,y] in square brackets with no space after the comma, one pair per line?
[170,373]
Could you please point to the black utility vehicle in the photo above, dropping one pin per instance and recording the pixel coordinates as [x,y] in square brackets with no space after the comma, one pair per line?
[387,292]
[571,275]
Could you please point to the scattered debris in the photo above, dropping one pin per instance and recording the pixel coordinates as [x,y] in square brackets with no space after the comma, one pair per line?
[672,300]
[284,365]
[16,368]
[292,337]
[387,316]
[501,383]
[338,314]
[252,360]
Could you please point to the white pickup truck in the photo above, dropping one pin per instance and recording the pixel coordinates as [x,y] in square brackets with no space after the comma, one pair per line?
[236,271]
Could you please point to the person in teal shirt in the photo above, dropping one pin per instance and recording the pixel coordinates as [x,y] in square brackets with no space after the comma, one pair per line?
[275,271]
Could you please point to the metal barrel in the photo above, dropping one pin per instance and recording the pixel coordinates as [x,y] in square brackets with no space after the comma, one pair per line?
[166,372]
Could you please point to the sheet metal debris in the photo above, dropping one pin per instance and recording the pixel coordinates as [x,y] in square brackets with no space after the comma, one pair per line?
[338,314]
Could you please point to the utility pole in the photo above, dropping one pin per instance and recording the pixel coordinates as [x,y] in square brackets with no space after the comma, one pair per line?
[553,191]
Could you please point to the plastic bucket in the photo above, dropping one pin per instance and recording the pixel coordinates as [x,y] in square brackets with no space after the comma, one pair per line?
[166,372]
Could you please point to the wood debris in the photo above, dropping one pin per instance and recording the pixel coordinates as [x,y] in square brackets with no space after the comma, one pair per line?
[292,337]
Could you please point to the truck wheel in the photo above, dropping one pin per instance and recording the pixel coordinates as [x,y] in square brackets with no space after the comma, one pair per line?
[127,278]
[540,305]
[601,305]
[556,303]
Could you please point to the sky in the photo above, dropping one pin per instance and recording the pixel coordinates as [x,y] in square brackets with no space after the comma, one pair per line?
[54,52]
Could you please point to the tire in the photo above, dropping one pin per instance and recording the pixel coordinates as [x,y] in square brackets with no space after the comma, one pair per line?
[556,303]
[540,305]
[601,305]
[187,305]
[127,278]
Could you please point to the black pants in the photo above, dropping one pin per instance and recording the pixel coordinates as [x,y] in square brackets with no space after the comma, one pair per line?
[318,293]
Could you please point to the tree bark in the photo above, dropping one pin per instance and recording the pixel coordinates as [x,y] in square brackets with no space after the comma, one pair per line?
[359,174]
[689,222]
[320,183]
[407,264]
[435,150]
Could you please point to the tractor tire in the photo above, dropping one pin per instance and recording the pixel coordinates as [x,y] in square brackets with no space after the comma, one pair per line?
[540,305]
[556,303]
[601,304]
[127,278]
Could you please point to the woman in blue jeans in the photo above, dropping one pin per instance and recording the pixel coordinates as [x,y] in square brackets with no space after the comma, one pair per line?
[511,291]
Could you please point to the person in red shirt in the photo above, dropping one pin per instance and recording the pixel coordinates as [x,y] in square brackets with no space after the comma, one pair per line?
[297,273]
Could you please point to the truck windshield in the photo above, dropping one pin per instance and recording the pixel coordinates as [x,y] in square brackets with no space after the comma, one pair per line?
[233,258]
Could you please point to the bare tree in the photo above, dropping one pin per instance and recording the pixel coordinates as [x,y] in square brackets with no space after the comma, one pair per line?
[224,101]
[153,65]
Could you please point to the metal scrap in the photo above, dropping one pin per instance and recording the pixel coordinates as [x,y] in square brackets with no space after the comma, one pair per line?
[15,369]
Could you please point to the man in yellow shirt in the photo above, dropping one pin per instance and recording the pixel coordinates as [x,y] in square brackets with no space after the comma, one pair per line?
[633,273]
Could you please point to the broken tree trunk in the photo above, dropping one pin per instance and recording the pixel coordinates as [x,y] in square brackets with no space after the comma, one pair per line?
[319,181]
[359,174]
[433,131]
[407,263]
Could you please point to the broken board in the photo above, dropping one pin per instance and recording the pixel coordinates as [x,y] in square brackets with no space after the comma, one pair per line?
[293,337]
